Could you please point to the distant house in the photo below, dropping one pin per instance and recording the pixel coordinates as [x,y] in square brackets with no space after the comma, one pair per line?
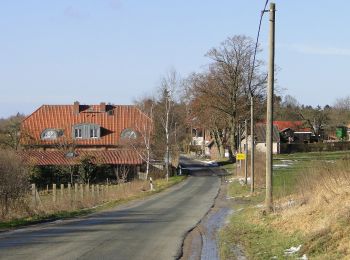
[294,132]
[260,139]
[200,137]
[61,134]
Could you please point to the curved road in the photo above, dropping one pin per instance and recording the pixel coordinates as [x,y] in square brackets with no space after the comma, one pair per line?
[150,229]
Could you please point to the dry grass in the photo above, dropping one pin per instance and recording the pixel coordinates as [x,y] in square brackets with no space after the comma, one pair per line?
[46,204]
[259,169]
[320,209]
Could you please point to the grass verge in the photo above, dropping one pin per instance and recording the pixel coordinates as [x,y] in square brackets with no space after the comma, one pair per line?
[318,222]
[160,185]
[250,229]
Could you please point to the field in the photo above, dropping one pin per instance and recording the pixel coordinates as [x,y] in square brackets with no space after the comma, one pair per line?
[310,209]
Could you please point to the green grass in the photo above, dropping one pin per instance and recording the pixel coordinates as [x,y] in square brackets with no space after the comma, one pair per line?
[259,241]
[285,178]
[249,228]
[160,185]
[316,156]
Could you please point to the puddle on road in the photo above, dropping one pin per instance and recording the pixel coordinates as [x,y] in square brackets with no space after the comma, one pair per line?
[212,225]
[202,242]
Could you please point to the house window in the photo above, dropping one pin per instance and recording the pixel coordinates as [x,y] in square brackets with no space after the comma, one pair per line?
[128,134]
[86,131]
[93,133]
[78,133]
[51,134]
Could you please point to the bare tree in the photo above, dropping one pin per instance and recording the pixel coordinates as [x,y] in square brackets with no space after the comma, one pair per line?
[169,85]
[142,144]
[121,173]
[10,132]
[202,109]
[230,71]
[14,180]
[87,168]
[315,118]
[68,146]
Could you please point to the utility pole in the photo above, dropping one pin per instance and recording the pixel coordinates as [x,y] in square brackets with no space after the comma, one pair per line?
[246,152]
[239,147]
[252,147]
[269,116]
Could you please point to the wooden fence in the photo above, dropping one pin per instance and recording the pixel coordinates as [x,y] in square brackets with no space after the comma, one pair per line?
[79,195]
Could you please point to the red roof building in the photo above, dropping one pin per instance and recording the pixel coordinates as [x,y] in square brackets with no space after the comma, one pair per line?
[111,157]
[99,130]
[294,125]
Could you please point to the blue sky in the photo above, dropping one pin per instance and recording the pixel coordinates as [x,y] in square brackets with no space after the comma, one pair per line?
[56,52]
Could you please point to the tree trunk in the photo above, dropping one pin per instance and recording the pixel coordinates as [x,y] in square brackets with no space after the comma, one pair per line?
[218,142]
[147,163]
[232,138]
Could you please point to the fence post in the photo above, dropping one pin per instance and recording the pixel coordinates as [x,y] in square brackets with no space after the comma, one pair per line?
[93,191]
[103,190]
[81,191]
[87,189]
[34,194]
[54,193]
[75,191]
[151,183]
[61,191]
[47,188]
[69,191]
[98,190]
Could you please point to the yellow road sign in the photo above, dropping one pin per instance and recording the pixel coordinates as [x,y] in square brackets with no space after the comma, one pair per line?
[240,156]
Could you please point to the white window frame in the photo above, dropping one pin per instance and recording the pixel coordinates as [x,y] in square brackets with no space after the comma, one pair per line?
[86,131]
[57,133]
[78,133]
[93,132]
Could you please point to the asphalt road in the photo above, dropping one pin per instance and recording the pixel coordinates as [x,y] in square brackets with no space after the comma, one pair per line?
[149,229]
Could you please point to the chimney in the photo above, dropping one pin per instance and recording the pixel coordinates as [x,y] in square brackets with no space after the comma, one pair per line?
[76,108]
[102,107]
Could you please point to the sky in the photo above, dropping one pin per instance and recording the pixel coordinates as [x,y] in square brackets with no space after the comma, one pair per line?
[92,51]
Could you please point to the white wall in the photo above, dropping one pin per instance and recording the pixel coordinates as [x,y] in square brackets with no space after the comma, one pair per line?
[261,147]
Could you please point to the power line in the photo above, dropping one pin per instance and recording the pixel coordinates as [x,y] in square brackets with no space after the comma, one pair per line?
[252,184]
[256,48]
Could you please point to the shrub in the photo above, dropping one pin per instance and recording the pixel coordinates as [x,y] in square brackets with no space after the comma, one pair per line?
[14,180]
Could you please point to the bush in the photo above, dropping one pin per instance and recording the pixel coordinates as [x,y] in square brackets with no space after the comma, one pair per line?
[14,180]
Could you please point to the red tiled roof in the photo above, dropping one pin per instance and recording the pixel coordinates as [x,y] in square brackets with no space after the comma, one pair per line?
[294,125]
[114,157]
[62,117]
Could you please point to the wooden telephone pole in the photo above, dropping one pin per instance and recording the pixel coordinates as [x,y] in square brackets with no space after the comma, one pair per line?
[269,117]
[246,152]
[252,145]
